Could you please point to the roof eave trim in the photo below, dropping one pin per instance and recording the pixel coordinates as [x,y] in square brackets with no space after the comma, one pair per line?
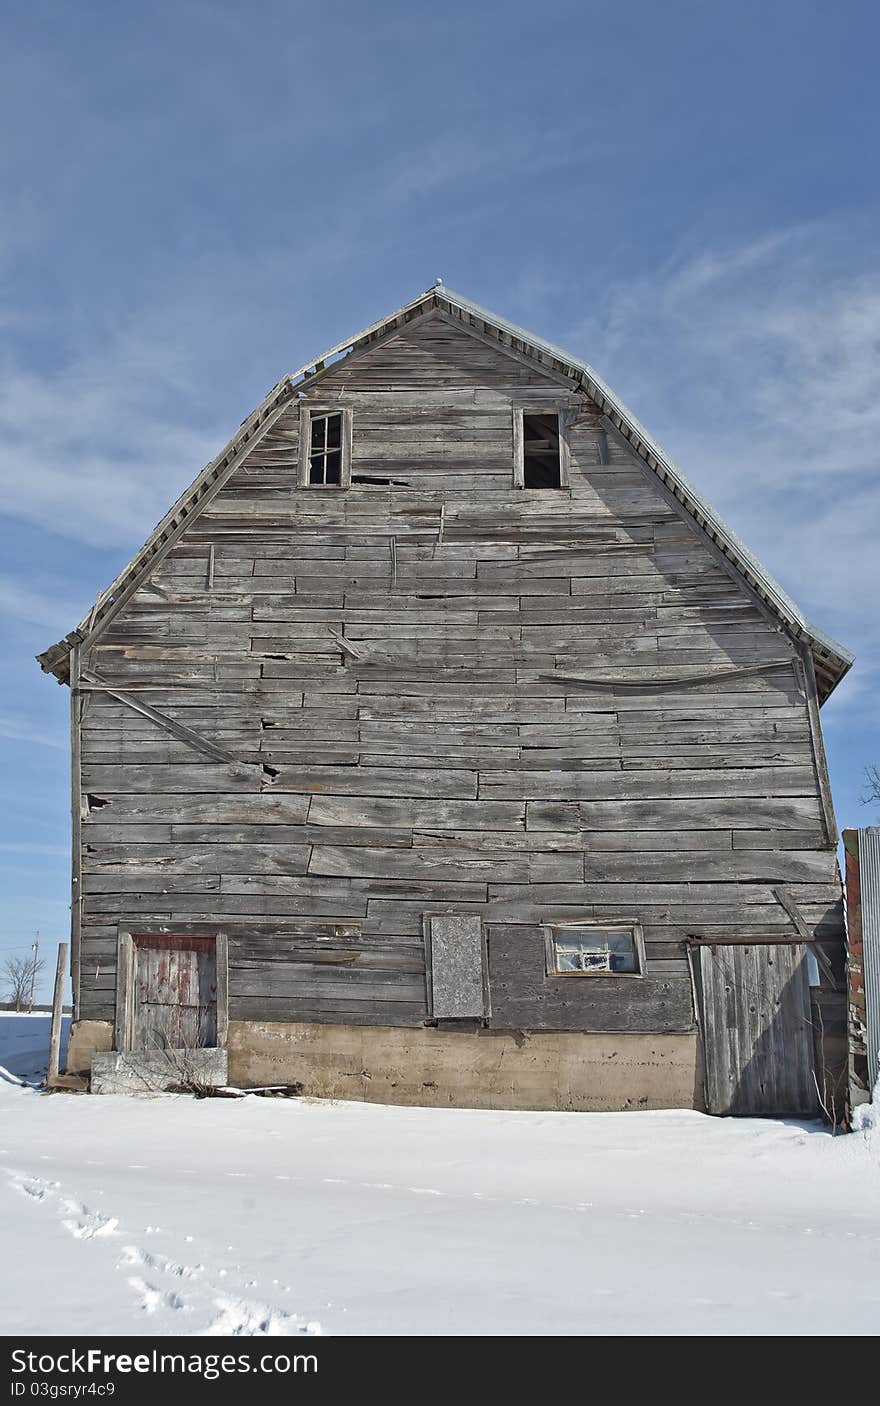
[54,659]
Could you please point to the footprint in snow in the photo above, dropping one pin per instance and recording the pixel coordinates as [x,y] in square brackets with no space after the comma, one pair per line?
[237,1317]
[161,1263]
[153,1298]
[84,1224]
[240,1319]
[34,1187]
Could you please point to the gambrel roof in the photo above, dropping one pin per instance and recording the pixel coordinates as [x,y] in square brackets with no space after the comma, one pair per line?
[831,660]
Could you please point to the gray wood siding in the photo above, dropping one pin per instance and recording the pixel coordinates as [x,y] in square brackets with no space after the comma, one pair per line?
[758,1031]
[440,759]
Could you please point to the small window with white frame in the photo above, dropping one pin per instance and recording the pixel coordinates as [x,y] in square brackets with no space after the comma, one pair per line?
[588,949]
[540,449]
[325,447]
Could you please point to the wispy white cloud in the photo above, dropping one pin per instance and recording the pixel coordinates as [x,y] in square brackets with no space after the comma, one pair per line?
[778,339]
[38,600]
[101,434]
[19,730]
[758,368]
[97,451]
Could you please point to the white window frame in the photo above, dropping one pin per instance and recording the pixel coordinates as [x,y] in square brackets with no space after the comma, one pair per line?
[555,931]
[313,410]
[564,418]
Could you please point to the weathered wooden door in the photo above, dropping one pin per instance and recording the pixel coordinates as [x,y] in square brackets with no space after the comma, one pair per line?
[757,1030]
[175,993]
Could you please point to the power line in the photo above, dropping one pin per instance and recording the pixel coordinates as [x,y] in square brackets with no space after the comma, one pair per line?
[17,946]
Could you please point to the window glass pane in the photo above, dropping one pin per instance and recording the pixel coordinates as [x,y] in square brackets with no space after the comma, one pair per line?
[319,432]
[596,950]
[568,958]
[618,941]
[334,431]
[316,468]
[333,466]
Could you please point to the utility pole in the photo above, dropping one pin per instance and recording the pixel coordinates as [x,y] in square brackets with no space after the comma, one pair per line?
[36,953]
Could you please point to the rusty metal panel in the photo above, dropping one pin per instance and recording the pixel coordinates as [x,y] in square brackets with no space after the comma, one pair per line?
[869,872]
[757,1030]
[458,984]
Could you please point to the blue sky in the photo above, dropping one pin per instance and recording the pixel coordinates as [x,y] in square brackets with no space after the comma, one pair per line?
[199,196]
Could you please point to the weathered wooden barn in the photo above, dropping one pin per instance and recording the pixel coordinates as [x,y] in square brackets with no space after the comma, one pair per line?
[443,746]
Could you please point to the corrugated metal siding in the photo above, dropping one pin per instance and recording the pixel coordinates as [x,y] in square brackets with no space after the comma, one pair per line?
[869,869]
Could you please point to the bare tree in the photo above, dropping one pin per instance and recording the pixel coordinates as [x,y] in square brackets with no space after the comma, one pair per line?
[872,785]
[18,977]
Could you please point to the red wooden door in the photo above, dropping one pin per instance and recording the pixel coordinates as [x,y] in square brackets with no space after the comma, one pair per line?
[175,993]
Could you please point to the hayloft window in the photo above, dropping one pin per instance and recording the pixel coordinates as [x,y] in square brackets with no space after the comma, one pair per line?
[585,950]
[540,449]
[325,448]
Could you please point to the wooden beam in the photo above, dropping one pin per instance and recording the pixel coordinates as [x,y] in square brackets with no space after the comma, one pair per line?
[75,826]
[169,725]
[819,759]
[667,681]
[806,934]
[698,939]
[345,646]
[57,1004]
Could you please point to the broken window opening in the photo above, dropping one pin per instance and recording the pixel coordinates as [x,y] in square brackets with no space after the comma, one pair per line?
[380,482]
[582,950]
[325,449]
[540,451]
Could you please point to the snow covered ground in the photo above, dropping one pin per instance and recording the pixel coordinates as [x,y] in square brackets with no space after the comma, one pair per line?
[177,1216]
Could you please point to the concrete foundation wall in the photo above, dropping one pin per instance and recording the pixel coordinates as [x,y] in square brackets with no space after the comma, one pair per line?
[485,1069]
[140,1073]
[450,1068]
[87,1037]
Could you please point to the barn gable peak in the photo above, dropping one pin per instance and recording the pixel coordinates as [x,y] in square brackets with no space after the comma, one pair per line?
[831,660]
